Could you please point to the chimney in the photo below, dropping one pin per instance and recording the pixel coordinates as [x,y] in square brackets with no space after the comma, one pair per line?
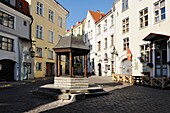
[98,11]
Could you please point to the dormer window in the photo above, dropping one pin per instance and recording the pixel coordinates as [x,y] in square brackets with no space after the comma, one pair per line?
[19,5]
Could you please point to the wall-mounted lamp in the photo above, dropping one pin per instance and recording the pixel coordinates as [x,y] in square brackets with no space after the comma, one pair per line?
[115,51]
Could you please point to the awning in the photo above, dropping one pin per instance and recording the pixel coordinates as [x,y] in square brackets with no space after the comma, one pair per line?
[154,36]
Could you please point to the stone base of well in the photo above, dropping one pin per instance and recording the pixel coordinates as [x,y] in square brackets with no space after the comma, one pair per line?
[71,83]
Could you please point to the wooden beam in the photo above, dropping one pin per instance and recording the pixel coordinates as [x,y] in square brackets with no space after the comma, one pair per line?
[85,66]
[56,71]
[59,64]
[70,66]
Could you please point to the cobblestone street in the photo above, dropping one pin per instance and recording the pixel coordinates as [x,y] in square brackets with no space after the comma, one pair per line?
[132,99]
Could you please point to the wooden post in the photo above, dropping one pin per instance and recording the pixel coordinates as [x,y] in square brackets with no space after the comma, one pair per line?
[70,66]
[85,66]
[56,71]
[59,63]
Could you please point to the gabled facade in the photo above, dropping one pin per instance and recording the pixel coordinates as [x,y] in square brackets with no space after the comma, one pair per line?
[142,29]
[16,62]
[104,45]
[90,39]
[48,27]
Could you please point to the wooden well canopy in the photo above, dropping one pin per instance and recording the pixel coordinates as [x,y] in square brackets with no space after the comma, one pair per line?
[71,46]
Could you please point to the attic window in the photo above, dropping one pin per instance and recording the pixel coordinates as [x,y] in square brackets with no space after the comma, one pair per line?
[19,5]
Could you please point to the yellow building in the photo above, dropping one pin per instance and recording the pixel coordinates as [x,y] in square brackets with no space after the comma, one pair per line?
[49,25]
[78,31]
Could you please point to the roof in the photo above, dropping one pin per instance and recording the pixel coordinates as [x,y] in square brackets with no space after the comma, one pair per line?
[24,10]
[71,42]
[96,15]
[154,36]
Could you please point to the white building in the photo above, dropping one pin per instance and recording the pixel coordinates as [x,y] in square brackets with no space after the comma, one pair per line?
[105,44]
[90,39]
[136,20]
[15,42]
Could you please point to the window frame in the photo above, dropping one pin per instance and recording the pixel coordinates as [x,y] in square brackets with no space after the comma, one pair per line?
[38,66]
[157,11]
[39,52]
[10,19]
[51,15]
[142,18]
[125,5]
[39,32]
[125,43]
[60,21]
[51,36]
[6,42]
[125,25]
[40,8]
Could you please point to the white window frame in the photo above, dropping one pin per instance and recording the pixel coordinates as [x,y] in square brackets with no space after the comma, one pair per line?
[157,11]
[51,36]
[125,25]
[39,32]
[51,15]
[60,21]
[39,52]
[125,43]
[105,25]
[38,66]
[99,29]
[40,8]
[125,5]
[143,18]
[50,54]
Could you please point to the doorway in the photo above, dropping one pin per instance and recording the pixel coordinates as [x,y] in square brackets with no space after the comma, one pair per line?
[27,70]
[49,69]
[161,59]
[7,70]
[100,69]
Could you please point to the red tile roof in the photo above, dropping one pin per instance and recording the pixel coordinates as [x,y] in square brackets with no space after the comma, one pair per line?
[96,15]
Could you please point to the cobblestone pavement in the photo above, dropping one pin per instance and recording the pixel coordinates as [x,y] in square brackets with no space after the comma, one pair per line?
[133,99]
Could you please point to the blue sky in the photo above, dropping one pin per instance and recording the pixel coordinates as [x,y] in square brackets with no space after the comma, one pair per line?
[78,8]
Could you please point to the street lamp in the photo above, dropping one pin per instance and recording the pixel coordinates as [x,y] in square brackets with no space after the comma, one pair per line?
[115,51]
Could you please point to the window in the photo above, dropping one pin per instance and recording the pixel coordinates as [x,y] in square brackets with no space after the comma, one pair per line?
[125,25]
[39,32]
[51,16]
[124,5]
[25,23]
[99,46]
[143,18]
[6,43]
[51,37]
[112,40]
[105,25]
[39,66]
[79,30]
[60,21]
[39,8]
[125,43]
[6,20]
[159,10]
[111,21]
[50,54]
[85,38]
[105,43]
[98,29]
[19,5]
[144,50]
[90,47]
[38,52]
[88,23]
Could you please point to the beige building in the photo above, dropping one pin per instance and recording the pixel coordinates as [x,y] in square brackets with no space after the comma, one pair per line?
[49,25]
